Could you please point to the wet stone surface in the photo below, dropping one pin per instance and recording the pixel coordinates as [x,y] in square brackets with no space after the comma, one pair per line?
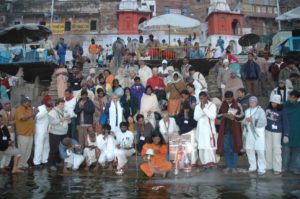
[211,183]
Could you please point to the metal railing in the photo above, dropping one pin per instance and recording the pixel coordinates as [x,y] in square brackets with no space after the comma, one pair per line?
[174,52]
[23,56]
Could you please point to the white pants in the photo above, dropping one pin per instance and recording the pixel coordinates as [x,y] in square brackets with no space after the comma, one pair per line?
[93,58]
[5,159]
[122,155]
[261,161]
[25,146]
[106,156]
[90,155]
[41,147]
[273,151]
[74,161]
[207,156]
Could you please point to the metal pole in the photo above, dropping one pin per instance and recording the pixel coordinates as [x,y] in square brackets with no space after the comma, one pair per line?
[52,9]
[278,14]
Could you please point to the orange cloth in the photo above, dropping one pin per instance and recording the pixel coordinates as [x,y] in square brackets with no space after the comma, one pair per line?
[174,106]
[94,49]
[25,128]
[158,163]
[131,127]
[110,79]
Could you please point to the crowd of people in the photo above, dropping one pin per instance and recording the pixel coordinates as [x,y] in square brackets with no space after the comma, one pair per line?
[102,120]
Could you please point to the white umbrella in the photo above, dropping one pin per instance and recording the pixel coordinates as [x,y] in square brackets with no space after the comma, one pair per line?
[168,22]
[293,14]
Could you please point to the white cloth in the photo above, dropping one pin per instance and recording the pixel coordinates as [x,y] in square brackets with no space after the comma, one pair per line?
[113,116]
[90,153]
[107,147]
[167,128]
[41,137]
[145,73]
[218,53]
[255,131]
[273,151]
[125,141]
[149,103]
[194,153]
[260,162]
[74,161]
[70,106]
[200,78]
[206,132]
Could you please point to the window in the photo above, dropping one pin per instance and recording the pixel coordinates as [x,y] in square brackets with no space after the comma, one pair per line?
[263,9]
[93,25]
[275,10]
[258,10]
[185,12]
[152,8]
[166,9]
[67,26]
[270,10]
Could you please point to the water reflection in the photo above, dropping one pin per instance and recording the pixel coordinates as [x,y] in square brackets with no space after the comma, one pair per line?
[40,184]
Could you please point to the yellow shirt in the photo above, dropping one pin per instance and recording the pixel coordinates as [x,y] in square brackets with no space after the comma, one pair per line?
[25,128]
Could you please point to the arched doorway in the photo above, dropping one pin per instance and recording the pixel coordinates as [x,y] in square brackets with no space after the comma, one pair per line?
[236,27]
[142,19]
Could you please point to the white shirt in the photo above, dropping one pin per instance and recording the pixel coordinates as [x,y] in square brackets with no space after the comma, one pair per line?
[145,73]
[70,106]
[125,140]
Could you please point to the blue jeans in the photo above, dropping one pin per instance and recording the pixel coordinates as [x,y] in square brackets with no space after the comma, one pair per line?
[61,59]
[230,156]
[291,158]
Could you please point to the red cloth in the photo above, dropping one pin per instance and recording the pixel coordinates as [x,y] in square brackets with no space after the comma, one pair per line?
[4,81]
[231,58]
[156,83]
[47,101]
[235,126]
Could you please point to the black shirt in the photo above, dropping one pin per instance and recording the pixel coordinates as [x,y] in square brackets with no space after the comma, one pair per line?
[4,138]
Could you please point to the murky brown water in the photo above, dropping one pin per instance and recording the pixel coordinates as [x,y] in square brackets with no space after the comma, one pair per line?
[211,184]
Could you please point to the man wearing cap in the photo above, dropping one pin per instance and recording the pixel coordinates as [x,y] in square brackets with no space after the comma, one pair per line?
[251,74]
[197,76]
[61,49]
[41,137]
[163,69]
[8,115]
[24,119]
[84,110]
[254,132]
[282,91]
[276,131]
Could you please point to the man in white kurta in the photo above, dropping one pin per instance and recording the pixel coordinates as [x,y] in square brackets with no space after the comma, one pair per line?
[144,72]
[107,146]
[41,137]
[255,122]
[205,114]
[167,126]
[124,146]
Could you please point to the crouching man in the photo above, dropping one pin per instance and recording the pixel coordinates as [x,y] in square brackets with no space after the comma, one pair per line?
[107,145]
[70,152]
[91,152]
[124,144]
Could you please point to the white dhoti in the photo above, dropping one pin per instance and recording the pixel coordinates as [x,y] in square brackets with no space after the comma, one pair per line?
[122,155]
[194,150]
[74,161]
[90,156]
[106,156]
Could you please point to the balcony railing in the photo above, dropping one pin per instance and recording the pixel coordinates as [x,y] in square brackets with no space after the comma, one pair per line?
[24,56]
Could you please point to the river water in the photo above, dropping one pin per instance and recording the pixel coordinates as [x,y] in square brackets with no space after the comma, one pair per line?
[208,184]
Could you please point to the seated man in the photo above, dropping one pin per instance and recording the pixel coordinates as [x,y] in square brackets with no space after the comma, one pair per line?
[143,131]
[70,152]
[107,145]
[91,152]
[124,143]
[7,146]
